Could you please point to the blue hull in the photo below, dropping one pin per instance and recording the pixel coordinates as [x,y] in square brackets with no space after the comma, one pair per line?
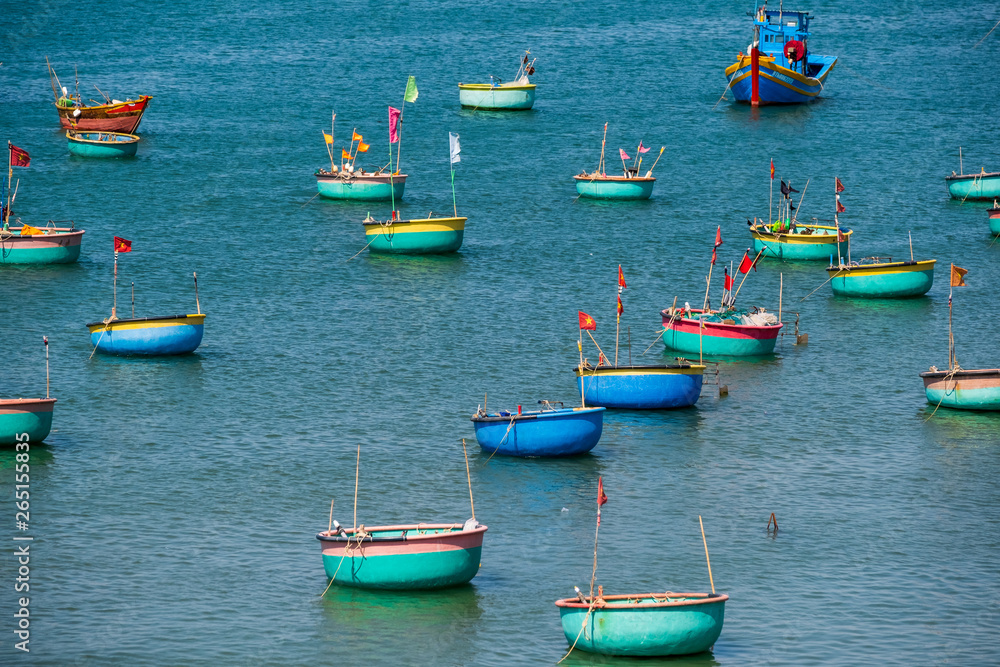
[149,337]
[567,432]
[641,389]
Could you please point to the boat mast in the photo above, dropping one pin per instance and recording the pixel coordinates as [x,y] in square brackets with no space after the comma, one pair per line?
[600,164]
[10,175]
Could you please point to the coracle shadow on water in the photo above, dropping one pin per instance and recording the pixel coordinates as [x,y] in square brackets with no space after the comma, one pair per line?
[580,658]
[976,427]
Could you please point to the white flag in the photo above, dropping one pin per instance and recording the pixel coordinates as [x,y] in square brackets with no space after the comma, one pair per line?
[456,149]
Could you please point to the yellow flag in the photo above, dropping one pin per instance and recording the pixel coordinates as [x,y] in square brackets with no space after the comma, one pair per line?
[958,276]
[344,154]
[362,148]
[28,230]
[328,137]
[356,137]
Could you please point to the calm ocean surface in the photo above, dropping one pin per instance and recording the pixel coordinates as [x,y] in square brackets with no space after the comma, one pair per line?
[175,505]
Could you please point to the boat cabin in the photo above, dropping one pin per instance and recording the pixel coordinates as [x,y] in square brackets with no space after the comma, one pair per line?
[784,36]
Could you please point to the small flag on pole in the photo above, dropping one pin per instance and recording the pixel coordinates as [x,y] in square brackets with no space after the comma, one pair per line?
[772,169]
[624,155]
[18,156]
[362,148]
[356,137]
[601,496]
[621,308]
[958,276]
[840,207]
[393,125]
[746,263]
[344,154]
[456,148]
[729,281]
[411,90]
[642,149]
[718,236]
[122,245]
[840,186]
[586,321]
[621,280]
[328,137]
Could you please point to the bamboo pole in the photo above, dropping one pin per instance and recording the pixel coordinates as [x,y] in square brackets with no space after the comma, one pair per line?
[329,528]
[910,234]
[796,217]
[600,163]
[45,339]
[746,274]
[951,336]
[707,560]
[960,170]
[708,285]
[598,346]
[51,80]
[197,301]
[468,476]
[781,291]
[649,173]
[333,136]
[133,299]
[357,469]
[770,200]
[579,347]
[114,304]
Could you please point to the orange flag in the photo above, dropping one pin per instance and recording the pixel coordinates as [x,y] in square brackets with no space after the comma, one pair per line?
[621,279]
[620,308]
[344,154]
[362,148]
[601,496]
[356,137]
[958,276]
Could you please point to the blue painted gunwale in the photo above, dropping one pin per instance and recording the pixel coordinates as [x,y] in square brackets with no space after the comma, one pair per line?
[974,187]
[652,387]
[168,335]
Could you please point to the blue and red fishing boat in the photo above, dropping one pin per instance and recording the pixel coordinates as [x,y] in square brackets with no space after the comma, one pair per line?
[778,67]
[146,336]
[549,432]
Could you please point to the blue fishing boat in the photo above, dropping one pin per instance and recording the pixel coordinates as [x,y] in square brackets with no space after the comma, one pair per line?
[786,240]
[25,419]
[516,95]
[961,389]
[641,387]
[360,185]
[779,68]
[426,236]
[547,432]
[881,278]
[148,336]
[977,187]
[650,624]
[102,144]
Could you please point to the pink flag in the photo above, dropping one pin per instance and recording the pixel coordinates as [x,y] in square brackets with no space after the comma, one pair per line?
[641,148]
[624,154]
[393,125]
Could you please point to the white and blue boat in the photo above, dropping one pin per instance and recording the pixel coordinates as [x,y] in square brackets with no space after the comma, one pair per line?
[641,387]
[549,432]
[778,67]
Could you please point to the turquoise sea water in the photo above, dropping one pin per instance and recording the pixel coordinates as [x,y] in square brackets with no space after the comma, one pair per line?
[175,505]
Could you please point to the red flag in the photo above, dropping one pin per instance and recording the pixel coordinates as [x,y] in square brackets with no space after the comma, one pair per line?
[840,207]
[729,282]
[601,497]
[620,308]
[772,169]
[122,245]
[840,186]
[713,256]
[621,279]
[746,263]
[393,121]
[586,321]
[624,154]
[718,236]
[18,157]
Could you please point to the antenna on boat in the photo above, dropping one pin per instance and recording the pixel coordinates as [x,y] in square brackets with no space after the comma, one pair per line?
[468,476]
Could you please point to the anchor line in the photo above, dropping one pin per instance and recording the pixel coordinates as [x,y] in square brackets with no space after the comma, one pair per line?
[107,322]
[503,439]
[949,376]
[593,603]
[348,551]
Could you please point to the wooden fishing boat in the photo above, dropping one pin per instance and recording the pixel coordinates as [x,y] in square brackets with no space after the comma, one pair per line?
[641,387]
[726,333]
[805,242]
[40,245]
[549,432]
[994,215]
[19,416]
[881,278]
[102,144]
[112,116]
[779,68]
[360,185]
[422,236]
[516,95]
[962,389]
[977,187]
[413,556]
[148,336]
[650,624]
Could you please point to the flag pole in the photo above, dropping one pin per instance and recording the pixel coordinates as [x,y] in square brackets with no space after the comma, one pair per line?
[600,164]
[468,476]
[133,299]
[707,559]
[910,234]
[333,125]
[579,347]
[770,198]
[357,469]
[197,302]
[708,284]
[114,304]
[454,202]
[10,175]
[45,339]
[951,337]
[650,172]
[392,187]
[593,574]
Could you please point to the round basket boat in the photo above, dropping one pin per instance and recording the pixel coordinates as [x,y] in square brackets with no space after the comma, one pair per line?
[102,144]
